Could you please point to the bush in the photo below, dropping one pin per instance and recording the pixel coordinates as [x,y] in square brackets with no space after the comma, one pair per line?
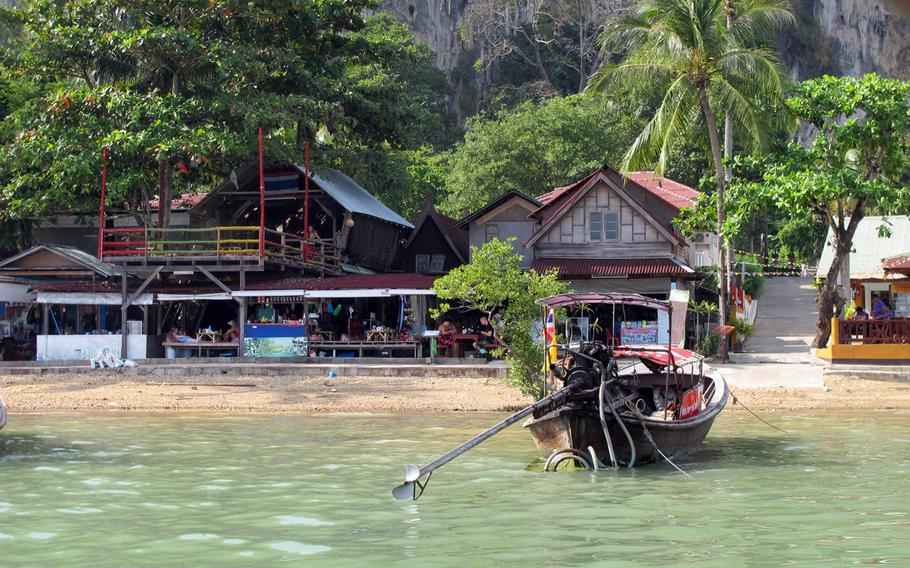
[753,277]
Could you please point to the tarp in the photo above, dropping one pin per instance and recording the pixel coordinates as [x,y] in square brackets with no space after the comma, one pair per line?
[90,298]
[354,198]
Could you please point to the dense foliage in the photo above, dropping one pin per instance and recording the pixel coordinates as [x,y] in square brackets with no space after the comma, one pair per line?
[176,91]
[494,282]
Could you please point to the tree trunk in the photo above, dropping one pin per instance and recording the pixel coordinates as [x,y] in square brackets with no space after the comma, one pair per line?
[843,243]
[721,212]
[165,193]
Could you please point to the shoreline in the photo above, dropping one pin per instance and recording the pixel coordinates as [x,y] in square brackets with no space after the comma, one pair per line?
[108,391]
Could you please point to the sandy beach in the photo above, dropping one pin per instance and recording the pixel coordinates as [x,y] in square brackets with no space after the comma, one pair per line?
[261,394]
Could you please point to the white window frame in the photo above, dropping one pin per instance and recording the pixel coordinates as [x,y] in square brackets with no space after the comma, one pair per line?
[422,261]
[613,218]
[600,226]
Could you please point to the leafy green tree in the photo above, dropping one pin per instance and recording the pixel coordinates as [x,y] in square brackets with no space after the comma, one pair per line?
[858,161]
[494,282]
[176,90]
[711,67]
[535,148]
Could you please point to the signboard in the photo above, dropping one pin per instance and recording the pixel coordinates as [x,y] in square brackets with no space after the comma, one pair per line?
[638,335]
[691,403]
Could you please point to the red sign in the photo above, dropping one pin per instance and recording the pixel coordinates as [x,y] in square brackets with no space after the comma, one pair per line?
[691,403]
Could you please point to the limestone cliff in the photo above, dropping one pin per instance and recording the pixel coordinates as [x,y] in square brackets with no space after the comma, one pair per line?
[843,36]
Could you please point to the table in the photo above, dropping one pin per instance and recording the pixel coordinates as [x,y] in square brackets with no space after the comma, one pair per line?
[361,346]
[200,345]
[458,339]
[209,336]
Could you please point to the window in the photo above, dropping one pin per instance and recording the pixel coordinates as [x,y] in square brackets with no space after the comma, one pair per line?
[595,225]
[492,231]
[611,226]
[429,264]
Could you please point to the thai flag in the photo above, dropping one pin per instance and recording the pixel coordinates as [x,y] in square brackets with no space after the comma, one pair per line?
[282,182]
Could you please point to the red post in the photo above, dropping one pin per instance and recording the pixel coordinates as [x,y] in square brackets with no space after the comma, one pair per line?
[103,198]
[306,199]
[261,202]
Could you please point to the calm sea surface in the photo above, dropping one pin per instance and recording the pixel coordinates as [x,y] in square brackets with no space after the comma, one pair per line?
[315,490]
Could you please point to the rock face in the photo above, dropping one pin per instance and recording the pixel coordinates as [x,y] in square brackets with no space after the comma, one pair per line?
[866,35]
[435,22]
[861,35]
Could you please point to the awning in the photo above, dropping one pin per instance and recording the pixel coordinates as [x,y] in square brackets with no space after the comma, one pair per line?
[90,298]
[324,294]
[580,268]
[193,297]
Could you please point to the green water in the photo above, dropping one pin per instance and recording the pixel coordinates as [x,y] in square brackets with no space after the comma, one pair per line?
[315,490]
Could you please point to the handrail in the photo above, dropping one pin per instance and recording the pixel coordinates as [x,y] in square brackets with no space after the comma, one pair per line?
[149,243]
[875,331]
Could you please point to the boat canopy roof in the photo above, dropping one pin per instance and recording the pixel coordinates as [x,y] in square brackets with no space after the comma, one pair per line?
[563,300]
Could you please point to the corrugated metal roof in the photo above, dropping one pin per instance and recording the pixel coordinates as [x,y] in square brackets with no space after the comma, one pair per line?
[899,264]
[676,194]
[351,282]
[73,254]
[869,249]
[581,268]
[350,195]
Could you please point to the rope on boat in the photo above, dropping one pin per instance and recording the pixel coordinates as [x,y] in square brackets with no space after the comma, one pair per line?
[622,427]
[644,427]
[739,402]
[603,424]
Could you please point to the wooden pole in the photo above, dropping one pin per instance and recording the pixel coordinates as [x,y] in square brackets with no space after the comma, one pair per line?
[103,198]
[306,199]
[124,305]
[261,202]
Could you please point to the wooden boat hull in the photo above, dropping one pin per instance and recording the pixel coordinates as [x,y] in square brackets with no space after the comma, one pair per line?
[578,427]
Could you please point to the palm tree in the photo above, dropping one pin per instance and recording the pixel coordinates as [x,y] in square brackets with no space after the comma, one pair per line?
[712,63]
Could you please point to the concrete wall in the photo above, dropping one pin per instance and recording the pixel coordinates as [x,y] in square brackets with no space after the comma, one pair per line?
[69,347]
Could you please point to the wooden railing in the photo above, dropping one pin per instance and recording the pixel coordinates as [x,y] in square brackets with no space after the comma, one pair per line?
[216,244]
[875,331]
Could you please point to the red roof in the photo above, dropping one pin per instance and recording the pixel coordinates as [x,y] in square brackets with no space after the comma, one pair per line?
[676,194]
[583,268]
[899,264]
[350,282]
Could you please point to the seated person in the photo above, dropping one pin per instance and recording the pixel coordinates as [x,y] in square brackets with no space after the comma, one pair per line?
[860,314]
[487,339]
[174,336]
[232,335]
[447,332]
[880,309]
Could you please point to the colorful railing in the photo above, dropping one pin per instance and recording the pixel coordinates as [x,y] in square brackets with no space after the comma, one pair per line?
[875,331]
[217,244]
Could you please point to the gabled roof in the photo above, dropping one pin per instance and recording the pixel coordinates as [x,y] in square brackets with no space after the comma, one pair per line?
[350,195]
[182,202]
[455,236]
[463,223]
[71,260]
[676,194]
[559,201]
[869,248]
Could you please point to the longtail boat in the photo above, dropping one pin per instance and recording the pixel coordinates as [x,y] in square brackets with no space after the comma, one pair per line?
[619,406]
[630,404]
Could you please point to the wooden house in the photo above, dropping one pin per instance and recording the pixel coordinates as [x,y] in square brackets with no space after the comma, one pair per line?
[436,246]
[504,217]
[607,233]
